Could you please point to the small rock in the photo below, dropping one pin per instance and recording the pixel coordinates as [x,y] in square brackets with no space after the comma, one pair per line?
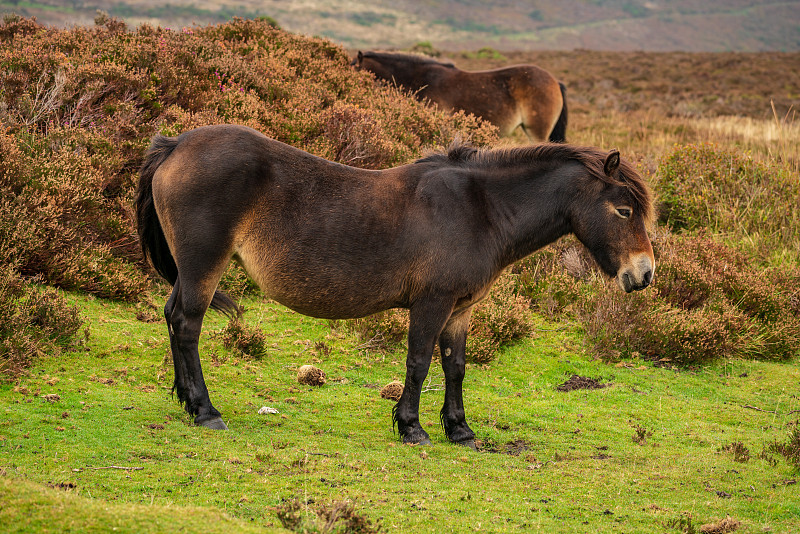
[266,409]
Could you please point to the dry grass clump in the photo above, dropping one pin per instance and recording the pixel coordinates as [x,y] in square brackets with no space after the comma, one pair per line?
[724,526]
[392,391]
[310,375]
[249,342]
[341,517]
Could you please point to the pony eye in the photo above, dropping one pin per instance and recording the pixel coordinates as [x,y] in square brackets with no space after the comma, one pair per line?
[623,212]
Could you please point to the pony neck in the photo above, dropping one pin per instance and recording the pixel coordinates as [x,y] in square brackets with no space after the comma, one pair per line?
[413,76]
[531,208]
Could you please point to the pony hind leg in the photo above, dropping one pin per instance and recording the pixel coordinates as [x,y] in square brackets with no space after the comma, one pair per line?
[452,343]
[427,318]
[185,310]
[179,383]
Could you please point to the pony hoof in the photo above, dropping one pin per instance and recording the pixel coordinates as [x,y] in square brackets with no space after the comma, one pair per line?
[469,443]
[424,442]
[214,424]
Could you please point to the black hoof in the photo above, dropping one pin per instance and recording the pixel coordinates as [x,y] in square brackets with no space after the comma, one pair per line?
[469,443]
[421,442]
[215,423]
[416,436]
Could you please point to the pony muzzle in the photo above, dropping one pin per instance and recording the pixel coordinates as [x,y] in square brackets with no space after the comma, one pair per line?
[637,273]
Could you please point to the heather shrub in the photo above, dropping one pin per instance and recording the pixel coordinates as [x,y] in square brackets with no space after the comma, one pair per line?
[502,318]
[381,330]
[80,105]
[706,302]
[555,278]
[248,341]
[33,322]
[706,187]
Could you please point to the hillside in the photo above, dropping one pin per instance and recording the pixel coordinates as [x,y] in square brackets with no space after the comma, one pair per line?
[685,25]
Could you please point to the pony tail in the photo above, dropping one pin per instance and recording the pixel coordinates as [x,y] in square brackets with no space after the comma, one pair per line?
[151,236]
[559,133]
[225,305]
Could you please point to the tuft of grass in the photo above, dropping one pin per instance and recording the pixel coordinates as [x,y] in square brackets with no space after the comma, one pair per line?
[790,449]
[740,452]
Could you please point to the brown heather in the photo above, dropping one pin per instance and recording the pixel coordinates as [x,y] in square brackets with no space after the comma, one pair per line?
[249,342]
[502,318]
[79,106]
[33,322]
[707,301]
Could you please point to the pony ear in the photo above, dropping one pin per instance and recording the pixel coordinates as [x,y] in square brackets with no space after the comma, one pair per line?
[360,57]
[612,162]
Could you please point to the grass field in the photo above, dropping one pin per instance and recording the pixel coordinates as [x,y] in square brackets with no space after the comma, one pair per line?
[92,440]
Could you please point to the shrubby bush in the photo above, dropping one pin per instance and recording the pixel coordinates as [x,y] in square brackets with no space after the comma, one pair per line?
[704,187]
[707,301]
[79,106]
[500,319]
[727,280]
[33,322]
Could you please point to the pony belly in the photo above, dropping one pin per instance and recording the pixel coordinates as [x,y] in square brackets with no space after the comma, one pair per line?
[328,302]
[328,293]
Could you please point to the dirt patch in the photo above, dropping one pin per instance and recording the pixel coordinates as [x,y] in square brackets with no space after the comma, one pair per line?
[581,382]
[722,527]
[513,448]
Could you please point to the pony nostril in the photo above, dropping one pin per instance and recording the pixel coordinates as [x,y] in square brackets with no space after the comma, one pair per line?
[648,277]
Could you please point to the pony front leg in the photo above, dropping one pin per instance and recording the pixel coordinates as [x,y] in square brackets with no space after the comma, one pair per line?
[427,318]
[453,343]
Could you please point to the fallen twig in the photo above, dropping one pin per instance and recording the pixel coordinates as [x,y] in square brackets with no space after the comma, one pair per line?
[79,469]
[756,408]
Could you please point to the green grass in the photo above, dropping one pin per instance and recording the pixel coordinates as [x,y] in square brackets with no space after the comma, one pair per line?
[582,470]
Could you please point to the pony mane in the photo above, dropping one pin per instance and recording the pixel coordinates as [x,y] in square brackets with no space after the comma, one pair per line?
[593,159]
[417,59]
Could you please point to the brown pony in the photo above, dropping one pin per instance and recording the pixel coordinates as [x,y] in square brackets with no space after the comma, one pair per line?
[523,95]
[332,241]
